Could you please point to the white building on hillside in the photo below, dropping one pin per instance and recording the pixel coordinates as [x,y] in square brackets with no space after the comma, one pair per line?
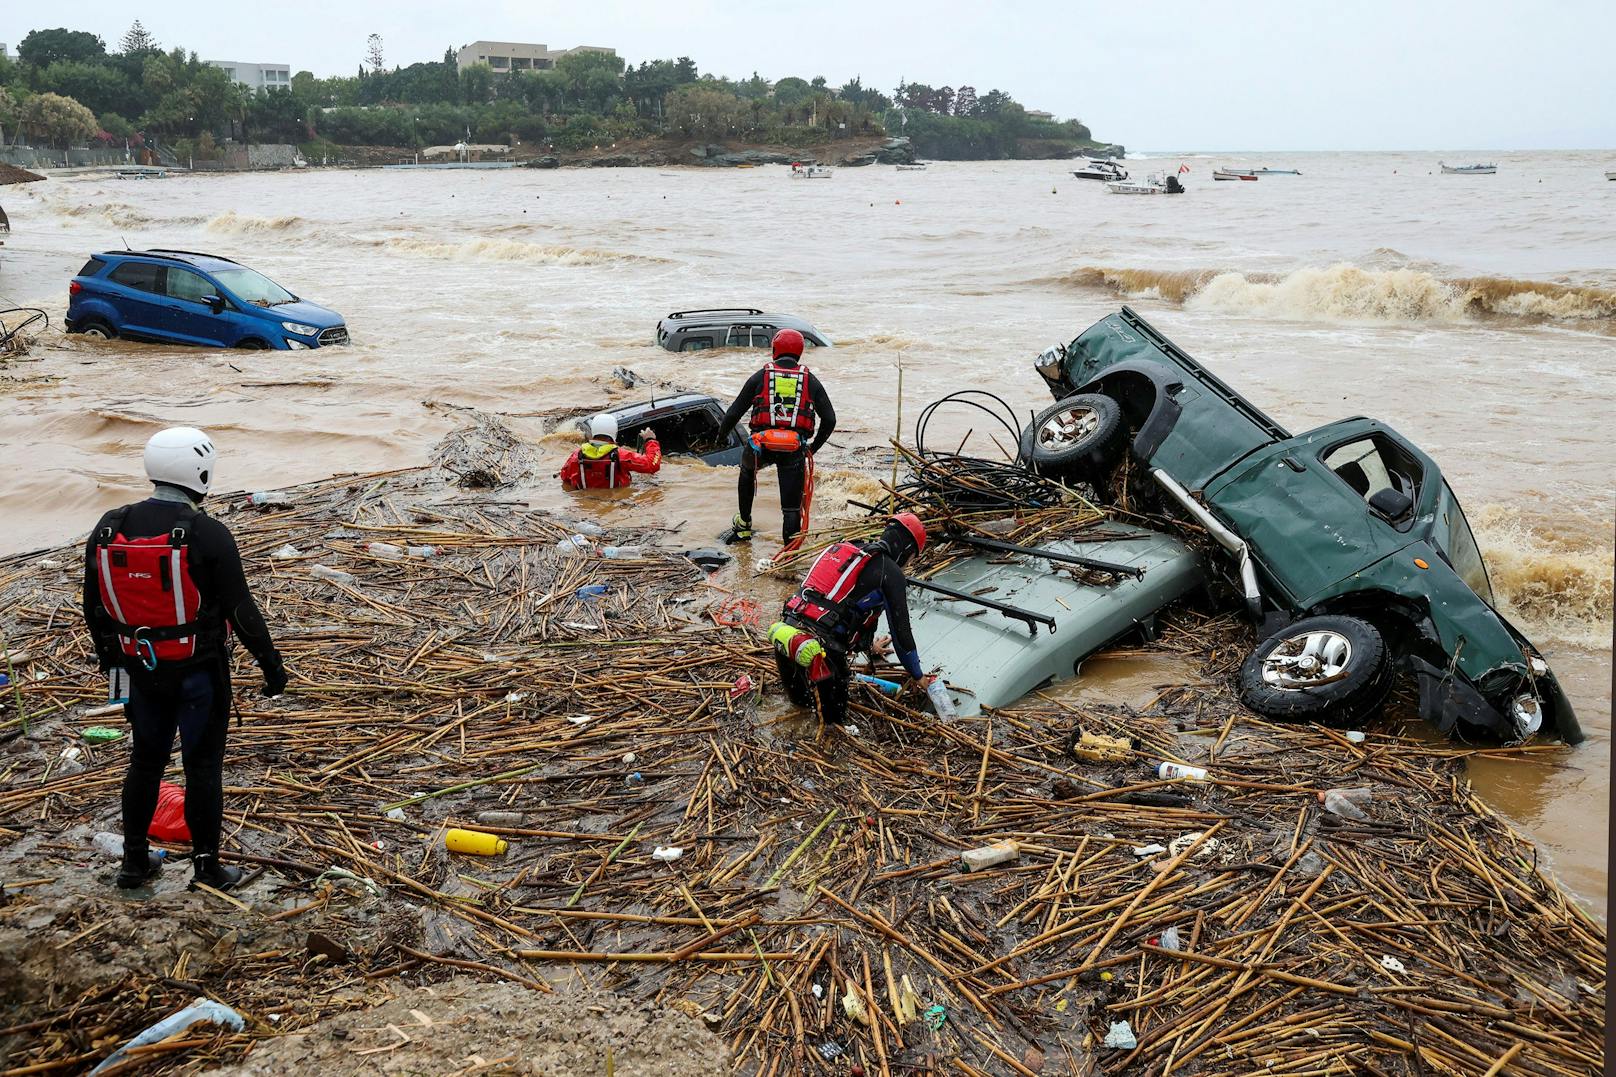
[507,56]
[258,77]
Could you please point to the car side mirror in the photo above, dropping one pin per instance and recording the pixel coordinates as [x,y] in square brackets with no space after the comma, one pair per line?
[1390,504]
[215,303]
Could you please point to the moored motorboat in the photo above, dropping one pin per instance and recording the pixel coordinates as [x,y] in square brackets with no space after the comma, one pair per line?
[1468,170]
[1275,172]
[1611,175]
[1099,168]
[802,171]
[1155,183]
[918,166]
[1233,174]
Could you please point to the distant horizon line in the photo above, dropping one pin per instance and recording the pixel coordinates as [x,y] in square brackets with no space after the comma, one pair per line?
[1447,150]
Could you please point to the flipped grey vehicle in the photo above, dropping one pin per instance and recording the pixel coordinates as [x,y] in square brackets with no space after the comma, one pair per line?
[730,327]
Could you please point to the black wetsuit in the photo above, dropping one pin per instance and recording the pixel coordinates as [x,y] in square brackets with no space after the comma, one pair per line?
[880,587]
[793,465]
[192,696]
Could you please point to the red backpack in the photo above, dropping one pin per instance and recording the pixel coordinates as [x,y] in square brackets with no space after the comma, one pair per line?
[147,591]
[823,597]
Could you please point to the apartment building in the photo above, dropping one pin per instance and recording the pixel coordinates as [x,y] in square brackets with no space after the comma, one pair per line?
[259,77]
[507,56]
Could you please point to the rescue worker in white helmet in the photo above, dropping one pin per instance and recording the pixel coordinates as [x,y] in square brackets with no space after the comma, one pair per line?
[791,418]
[163,588]
[601,464]
[834,615]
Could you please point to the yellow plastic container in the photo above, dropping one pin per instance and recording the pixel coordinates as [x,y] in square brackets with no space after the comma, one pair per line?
[474,842]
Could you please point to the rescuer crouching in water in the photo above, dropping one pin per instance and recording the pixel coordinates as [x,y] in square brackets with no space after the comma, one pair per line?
[163,587]
[601,464]
[789,406]
[835,611]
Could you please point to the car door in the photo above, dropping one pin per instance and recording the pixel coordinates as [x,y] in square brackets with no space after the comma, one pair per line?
[137,297]
[187,315]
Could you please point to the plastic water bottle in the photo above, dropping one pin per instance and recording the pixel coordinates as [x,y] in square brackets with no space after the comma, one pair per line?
[421,551]
[335,575]
[590,592]
[270,499]
[1169,771]
[891,688]
[575,546]
[110,844]
[1347,803]
[385,549]
[617,553]
[941,701]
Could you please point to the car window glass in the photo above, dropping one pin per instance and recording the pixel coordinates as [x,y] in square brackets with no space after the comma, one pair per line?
[251,286]
[183,284]
[740,336]
[1458,544]
[141,275]
[1360,466]
[762,338]
[696,344]
[91,268]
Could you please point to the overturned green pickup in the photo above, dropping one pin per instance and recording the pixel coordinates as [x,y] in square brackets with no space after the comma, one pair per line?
[1058,612]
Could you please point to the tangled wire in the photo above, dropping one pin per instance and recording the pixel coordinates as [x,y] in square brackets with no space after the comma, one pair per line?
[14,335]
[947,481]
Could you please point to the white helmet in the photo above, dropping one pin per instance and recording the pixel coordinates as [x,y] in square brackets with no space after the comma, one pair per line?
[182,456]
[603,425]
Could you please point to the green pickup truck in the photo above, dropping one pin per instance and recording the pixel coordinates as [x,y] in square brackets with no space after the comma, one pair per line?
[1345,543]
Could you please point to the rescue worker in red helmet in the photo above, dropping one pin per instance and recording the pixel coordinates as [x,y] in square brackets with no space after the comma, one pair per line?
[163,587]
[834,615]
[791,418]
[601,464]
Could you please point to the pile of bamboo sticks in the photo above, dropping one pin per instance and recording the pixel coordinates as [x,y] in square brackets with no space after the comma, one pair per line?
[683,838]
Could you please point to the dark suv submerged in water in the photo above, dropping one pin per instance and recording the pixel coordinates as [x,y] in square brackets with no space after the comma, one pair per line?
[1346,544]
[181,297]
[730,327]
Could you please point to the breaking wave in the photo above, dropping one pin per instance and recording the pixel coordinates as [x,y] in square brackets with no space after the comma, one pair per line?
[1559,582]
[1347,292]
[231,223]
[509,250]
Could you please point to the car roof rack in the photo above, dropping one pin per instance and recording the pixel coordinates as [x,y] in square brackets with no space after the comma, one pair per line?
[716,310]
[189,254]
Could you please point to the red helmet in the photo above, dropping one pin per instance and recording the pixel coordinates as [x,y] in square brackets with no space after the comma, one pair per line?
[788,342]
[916,529]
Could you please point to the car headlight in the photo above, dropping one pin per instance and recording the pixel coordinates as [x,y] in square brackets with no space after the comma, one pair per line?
[300,329]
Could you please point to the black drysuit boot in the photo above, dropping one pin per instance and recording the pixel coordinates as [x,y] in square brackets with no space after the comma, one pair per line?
[140,866]
[209,872]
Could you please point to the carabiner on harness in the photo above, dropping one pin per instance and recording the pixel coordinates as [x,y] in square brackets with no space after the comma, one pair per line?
[145,650]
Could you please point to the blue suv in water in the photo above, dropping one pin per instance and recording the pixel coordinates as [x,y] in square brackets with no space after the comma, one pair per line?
[180,297]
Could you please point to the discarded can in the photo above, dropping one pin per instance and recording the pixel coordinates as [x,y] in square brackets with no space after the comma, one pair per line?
[500,818]
[474,842]
[742,685]
[1180,772]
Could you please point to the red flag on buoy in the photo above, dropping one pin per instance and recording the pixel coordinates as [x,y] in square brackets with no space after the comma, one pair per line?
[1183,169]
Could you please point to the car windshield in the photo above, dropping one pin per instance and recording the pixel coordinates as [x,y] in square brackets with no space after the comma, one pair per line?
[1458,545]
[253,287]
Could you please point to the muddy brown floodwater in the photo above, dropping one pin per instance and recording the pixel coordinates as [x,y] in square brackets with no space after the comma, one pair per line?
[1475,314]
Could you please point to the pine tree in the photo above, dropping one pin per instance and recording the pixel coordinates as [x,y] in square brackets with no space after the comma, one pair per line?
[373,53]
[138,39]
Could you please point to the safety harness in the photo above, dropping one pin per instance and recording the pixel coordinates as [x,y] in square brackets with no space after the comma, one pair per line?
[147,593]
[596,459]
[825,599]
[783,402]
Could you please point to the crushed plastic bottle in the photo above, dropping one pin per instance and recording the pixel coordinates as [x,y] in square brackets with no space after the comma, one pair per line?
[335,575]
[1347,803]
[384,549]
[941,702]
[111,844]
[202,1010]
[421,551]
[619,553]
[270,499]
[285,553]
[396,815]
[575,546]
[591,591]
[634,780]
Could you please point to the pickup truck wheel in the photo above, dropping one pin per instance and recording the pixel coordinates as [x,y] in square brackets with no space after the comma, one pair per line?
[1329,668]
[1077,438]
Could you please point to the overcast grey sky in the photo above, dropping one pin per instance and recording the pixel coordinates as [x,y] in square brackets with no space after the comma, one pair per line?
[1233,74]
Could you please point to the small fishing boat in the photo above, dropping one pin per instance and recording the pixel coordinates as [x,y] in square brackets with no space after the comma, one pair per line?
[1155,183]
[802,171]
[1234,174]
[1275,172]
[1468,170]
[1099,168]
[141,173]
[918,166]
[1611,175]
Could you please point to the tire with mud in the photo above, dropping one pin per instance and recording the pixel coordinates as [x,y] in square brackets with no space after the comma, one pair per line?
[1077,439]
[96,329]
[252,344]
[1331,668]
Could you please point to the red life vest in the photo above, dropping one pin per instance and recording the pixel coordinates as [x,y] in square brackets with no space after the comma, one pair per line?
[597,472]
[784,401]
[147,590]
[823,600]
